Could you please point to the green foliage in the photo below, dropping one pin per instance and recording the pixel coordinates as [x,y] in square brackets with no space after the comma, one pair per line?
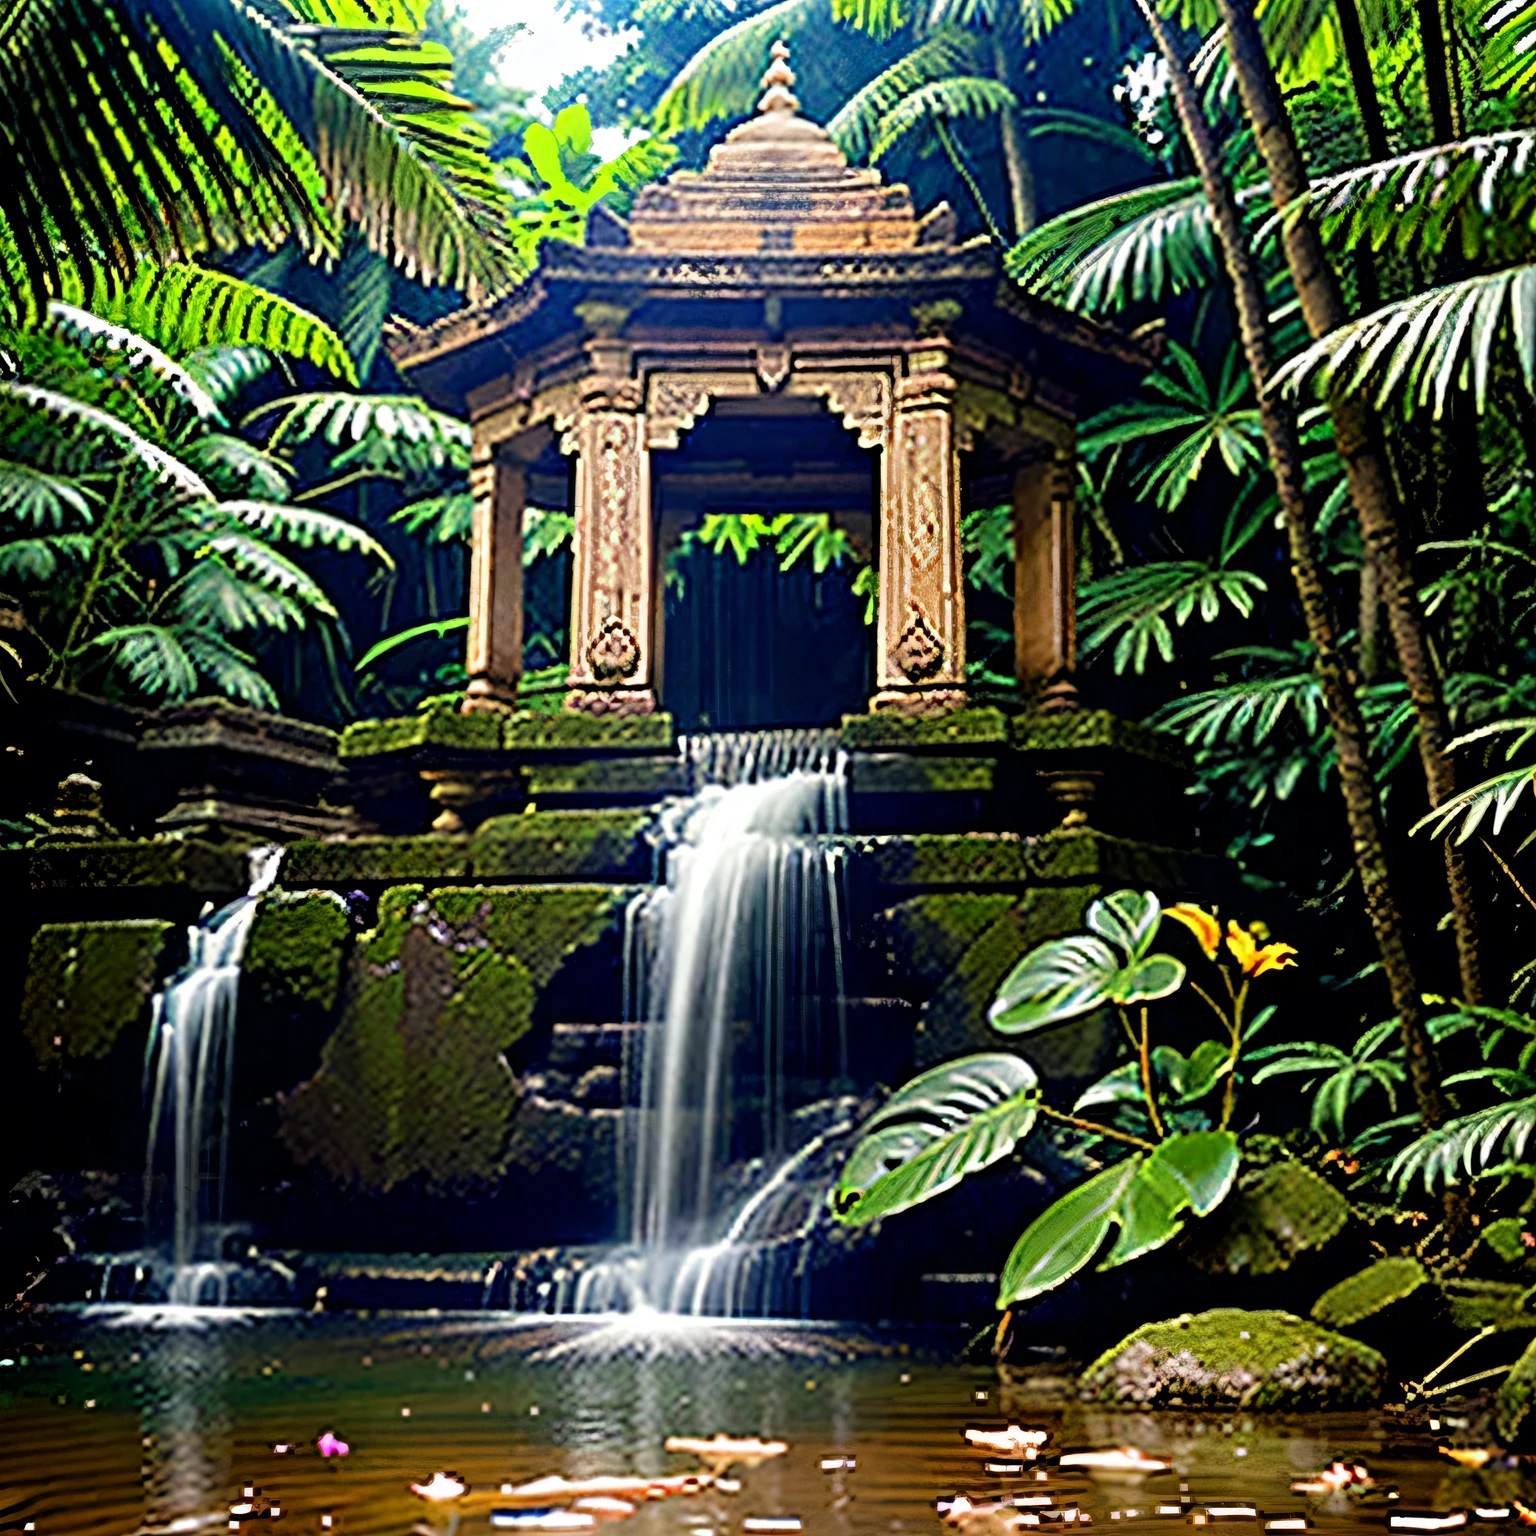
[1499,794]
[1516,1395]
[1276,1213]
[1134,603]
[1341,1077]
[1467,1143]
[1367,1293]
[943,1125]
[1065,978]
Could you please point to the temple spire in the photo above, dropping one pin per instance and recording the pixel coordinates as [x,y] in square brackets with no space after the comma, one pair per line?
[777,80]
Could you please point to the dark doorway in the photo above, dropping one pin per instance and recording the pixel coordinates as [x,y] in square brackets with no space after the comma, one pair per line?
[746,644]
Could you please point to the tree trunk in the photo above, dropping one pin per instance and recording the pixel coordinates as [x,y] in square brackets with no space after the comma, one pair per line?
[1021,176]
[1362,448]
[1439,71]
[1362,77]
[1283,443]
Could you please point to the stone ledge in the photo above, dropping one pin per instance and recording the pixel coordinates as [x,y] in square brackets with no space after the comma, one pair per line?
[960,728]
[1081,730]
[214,869]
[901,773]
[524,733]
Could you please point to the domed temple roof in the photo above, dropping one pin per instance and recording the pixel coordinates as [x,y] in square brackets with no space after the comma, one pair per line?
[776,183]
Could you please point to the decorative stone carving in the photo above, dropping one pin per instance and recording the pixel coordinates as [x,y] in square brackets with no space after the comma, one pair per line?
[863,400]
[919,652]
[674,401]
[611,597]
[614,652]
[773,364]
[628,701]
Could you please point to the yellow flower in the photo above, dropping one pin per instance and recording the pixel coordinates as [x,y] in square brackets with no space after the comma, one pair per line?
[1251,959]
[1201,923]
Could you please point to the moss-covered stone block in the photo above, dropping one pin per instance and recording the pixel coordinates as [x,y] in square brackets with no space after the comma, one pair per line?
[370,860]
[1229,1358]
[954,1020]
[1081,853]
[212,869]
[554,1137]
[414,1083]
[611,778]
[86,983]
[571,731]
[1081,730]
[959,728]
[563,845]
[926,936]
[900,773]
[479,732]
[968,860]
[294,953]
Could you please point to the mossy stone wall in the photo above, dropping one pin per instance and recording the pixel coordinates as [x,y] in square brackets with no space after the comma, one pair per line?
[414,1083]
[86,983]
[294,952]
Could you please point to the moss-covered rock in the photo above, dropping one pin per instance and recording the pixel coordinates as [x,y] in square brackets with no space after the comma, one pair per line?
[926,936]
[365,860]
[554,1137]
[209,869]
[1229,1358]
[967,860]
[479,732]
[294,953]
[572,731]
[415,1083]
[902,773]
[954,1020]
[959,728]
[86,983]
[563,845]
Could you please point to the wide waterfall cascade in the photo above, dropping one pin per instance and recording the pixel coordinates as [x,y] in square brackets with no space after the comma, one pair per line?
[734,968]
[191,1057]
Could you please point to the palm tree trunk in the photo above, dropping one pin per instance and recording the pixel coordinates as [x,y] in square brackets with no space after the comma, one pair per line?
[1283,443]
[1362,78]
[1021,176]
[1440,83]
[1362,448]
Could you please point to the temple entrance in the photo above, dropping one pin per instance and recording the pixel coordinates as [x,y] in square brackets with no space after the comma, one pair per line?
[746,644]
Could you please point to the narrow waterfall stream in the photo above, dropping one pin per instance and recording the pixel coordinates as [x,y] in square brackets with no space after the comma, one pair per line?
[734,967]
[190,1059]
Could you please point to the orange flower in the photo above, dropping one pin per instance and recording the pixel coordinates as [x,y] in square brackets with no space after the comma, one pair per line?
[1201,923]
[1251,959]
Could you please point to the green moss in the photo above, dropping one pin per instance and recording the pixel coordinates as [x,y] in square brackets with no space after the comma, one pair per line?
[898,773]
[554,1137]
[954,1020]
[1079,730]
[293,956]
[570,731]
[1083,854]
[938,859]
[363,860]
[86,983]
[563,845]
[414,1084]
[959,728]
[1231,1358]
[477,732]
[650,777]
[212,869]
[926,936]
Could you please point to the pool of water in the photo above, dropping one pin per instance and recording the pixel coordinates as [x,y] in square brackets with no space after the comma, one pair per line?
[113,1422]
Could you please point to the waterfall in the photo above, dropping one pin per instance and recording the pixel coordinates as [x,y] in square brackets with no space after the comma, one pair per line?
[734,968]
[191,1057]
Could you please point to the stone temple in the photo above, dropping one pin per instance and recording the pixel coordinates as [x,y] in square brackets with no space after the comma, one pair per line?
[773,295]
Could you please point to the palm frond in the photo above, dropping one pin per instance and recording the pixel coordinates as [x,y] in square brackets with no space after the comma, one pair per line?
[941,55]
[228,669]
[1509,58]
[344,421]
[153,658]
[185,309]
[307,529]
[1470,807]
[261,568]
[1466,1144]
[1136,604]
[34,562]
[721,80]
[236,468]
[1422,201]
[1136,246]
[31,498]
[882,19]
[447,518]
[1248,710]
[93,334]
[224,371]
[1415,351]
[941,100]
[78,419]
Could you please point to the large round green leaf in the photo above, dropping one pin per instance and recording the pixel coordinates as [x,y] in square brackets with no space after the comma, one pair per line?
[946,1123]
[1066,1235]
[1189,1172]
[1054,983]
[1128,919]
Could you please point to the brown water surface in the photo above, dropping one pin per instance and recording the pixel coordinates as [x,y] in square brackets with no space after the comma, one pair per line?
[133,1419]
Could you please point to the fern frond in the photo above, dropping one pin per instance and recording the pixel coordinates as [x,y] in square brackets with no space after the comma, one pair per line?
[224,371]
[1417,350]
[152,656]
[93,334]
[721,80]
[958,96]
[1509,60]
[1136,604]
[940,56]
[1500,794]
[34,562]
[228,669]
[307,529]
[1248,710]
[1466,1144]
[1141,245]
[237,468]
[344,421]
[31,498]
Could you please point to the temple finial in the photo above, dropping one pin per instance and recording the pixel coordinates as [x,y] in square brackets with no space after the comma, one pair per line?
[777,80]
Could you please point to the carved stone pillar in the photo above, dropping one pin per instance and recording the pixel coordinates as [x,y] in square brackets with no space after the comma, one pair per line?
[612,613]
[1044,606]
[494,656]
[920,644]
